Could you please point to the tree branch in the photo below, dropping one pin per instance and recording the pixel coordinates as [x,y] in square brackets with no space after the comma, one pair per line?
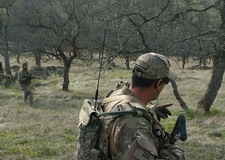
[191,37]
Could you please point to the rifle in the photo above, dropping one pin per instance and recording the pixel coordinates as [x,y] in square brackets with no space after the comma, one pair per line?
[179,131]
[26,79]
[30,76]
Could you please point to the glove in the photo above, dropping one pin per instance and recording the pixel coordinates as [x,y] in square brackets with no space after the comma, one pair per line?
[175,151]
[161,111]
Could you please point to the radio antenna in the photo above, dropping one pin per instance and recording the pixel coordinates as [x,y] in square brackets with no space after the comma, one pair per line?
[100,68]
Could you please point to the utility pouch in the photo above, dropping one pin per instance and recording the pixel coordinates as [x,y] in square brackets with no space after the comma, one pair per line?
[89,131]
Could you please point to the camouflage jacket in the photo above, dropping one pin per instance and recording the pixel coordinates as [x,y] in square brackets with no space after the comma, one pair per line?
[24,77]
[132,137]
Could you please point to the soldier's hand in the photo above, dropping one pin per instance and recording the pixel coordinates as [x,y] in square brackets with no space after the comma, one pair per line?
[175,151]
[161,111]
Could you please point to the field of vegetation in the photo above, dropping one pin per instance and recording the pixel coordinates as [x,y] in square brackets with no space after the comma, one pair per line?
[49,130]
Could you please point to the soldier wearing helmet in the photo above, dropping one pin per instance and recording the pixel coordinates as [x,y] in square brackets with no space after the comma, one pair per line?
[135,137]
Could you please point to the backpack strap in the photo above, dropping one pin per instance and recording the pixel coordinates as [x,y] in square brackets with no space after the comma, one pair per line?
[135,112]
[121,97]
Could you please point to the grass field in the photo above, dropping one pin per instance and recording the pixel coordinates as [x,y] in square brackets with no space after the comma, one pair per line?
[48,131]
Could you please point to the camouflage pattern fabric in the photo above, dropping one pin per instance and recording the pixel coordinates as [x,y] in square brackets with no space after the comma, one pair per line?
[154,66]
[132,137]
[88,139]
[90,128]
[24,78]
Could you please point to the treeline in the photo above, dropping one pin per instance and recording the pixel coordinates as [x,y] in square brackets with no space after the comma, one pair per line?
[71,29]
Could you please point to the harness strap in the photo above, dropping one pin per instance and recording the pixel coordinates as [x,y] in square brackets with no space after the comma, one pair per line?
[135,112]
[121,97]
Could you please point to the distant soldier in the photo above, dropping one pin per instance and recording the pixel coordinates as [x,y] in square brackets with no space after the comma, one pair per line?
[24,78]
[1,73]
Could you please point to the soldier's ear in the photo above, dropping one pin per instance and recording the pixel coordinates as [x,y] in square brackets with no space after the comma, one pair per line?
[159,84]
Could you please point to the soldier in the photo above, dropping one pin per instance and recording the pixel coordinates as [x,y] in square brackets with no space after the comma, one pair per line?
[24,78]
[135,137]
[1,73]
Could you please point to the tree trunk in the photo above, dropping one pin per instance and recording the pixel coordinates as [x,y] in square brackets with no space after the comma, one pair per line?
[66,80]
[37,56]
[214,85]
[178,97]
[5,44]
[6,50]
[183,61]
[205,103]
[200,61]
[127,61]
[67,65]
[7,64]
[18,58]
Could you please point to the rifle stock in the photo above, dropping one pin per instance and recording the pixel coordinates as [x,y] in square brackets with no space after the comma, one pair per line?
[179,131]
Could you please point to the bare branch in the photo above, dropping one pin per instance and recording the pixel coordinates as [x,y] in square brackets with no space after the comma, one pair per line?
[6,3]
[146,21]
[178,14]
[191,37]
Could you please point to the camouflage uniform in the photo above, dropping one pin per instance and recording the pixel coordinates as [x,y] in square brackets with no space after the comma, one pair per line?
[127,131]
[24,78]
[135,137]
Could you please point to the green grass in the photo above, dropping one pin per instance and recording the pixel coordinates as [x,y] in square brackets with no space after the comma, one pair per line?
[49,131]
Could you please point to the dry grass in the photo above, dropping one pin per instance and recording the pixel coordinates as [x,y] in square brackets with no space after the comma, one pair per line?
[49,131]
